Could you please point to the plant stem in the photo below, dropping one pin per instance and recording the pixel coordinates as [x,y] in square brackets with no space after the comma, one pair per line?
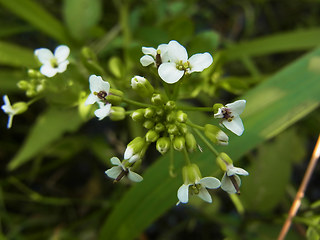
[203,109]
[186,156]
[139,104]
[194,125]
[212,149]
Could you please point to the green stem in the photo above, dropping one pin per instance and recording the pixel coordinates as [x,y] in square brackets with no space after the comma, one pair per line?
[129,112]
[194,125]
[186,156]
[34,100]
[139,104]
[203,109]
[212,149]
[176,90]
[237,203]
[171,167]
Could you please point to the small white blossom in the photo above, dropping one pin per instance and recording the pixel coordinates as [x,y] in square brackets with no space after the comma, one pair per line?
[8,109]
[53,63]
[199,187]
[119,170]
[154,56]
[230,116]
[179,63]
[103,111]
[232,186]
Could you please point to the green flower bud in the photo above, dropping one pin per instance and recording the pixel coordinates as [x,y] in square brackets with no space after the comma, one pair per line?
[191,173]
[171,117]
[163,145]
[223,160]
[148,124]
[142,86]
[20,107]
[88,54]
[33,73]
[138,115]
[23,84]
[159,127]
[117,113]
[149,113]
[216,107]
[157,99]
[159,111]
[135,147]
[172,129]
[181,116]
[216,135]
[179,143]
[114,97]
[191,142]
[183,129]
[170,105]
[152,136]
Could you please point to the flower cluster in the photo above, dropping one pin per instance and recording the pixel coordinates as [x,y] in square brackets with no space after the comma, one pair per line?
[165,120]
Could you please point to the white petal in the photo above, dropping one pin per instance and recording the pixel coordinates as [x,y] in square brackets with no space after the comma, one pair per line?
[227,185]
[47,70]
[169,73]
[235,126]
[149,51]
[135,177]
[210,182]
[61,53]
[6,100]
[62,66]
[219,114]
[237,107]
[91,99]
[134,158]
[236,170]
[103,112]
[97,84]
[128,153]
[44,55]
[222,138]
[199,62]
[204,195]
[116,161]
[146,60]
[177,52]
[183,193]
[114,172]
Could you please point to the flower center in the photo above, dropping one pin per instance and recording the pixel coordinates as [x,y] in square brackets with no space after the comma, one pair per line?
[195,188]
[182,66]
[54,62]
[121,175]
[101,95]
[227,114]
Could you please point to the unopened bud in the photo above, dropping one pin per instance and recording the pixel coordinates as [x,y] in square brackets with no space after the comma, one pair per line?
[183,129]
[216,107]
[179,143]
[149,113]
[191,142]
[148,124]
[159,127]
[181,116]
[216,135]
[223,160]
[171,117]
[117,113]
[170,105]
[163,145]
[23,84]
[142,86]
[114,97]
[157,99]
[138,115]
[20,107]
[172,129]
[134,148]
[191,173]
[152,136]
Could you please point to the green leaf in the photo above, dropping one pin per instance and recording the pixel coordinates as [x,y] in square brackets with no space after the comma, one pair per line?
[283,42]
[14,55]
[272,106]
[204,41]
[9,80]
[49,127]
[37,16]
[81,16]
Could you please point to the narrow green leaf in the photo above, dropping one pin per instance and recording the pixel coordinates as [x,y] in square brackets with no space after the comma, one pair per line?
[282,42]
[14,55]
[272,106]
[37,16]
[81,16]
[48,128]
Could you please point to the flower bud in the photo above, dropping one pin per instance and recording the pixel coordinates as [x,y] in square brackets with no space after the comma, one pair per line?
[223,160]
[179,143]
[134,148]
[149,113]
[138,115]
[148,124]
[114,97]
[159,127]
[170,105]
[183,129]
[172,129]
[157,99]
[163,145]
[20,107]
[181,116]
[191,173]
[171,117]
[191,142]
[159,111]
[33,73]
[216,135]
[216,107]
[117,113]
[152,136]
[23,84]
[142,86]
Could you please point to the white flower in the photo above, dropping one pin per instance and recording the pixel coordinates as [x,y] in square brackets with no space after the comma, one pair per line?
[103,111]
[178,64]
[8,109]
[118,171]
[230,116]
[154,56]
[199,187]
[230,181]
[53,63]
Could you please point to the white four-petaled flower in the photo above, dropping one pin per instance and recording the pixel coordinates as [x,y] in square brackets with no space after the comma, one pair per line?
[178,63]
[99,91]
[53,63]
[199,187]
[118,171]
[154,56]
[230,116]
[8,109]
[232,172]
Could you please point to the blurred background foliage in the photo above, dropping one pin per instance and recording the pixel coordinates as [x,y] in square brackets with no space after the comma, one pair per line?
[53,160]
